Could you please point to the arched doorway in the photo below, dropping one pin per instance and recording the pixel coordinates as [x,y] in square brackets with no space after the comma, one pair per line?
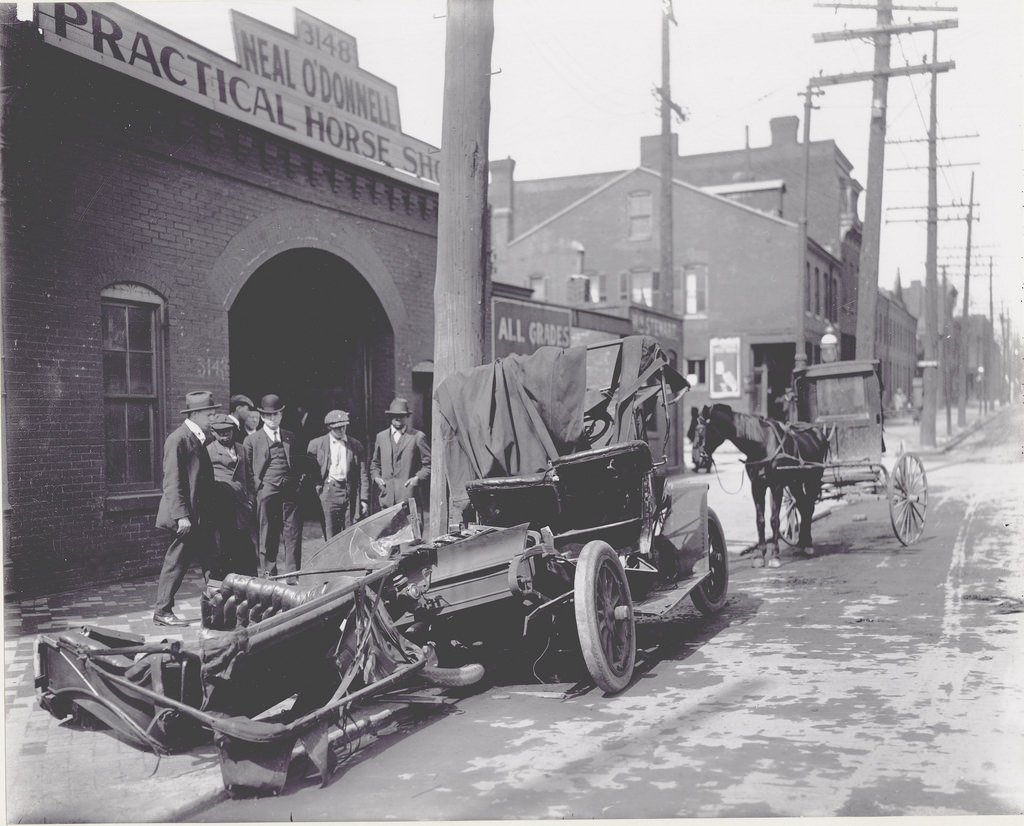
[308,327]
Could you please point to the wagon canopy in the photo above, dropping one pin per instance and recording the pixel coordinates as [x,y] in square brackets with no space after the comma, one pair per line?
[513,416]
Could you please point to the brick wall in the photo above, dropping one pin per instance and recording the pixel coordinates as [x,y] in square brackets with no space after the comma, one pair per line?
[108,181]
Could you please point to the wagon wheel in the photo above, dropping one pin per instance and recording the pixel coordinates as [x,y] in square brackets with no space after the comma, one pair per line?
[789,519]
[604,616]
[908,498]
[709,596]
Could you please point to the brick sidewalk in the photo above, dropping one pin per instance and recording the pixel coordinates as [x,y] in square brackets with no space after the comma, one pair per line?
[58,772]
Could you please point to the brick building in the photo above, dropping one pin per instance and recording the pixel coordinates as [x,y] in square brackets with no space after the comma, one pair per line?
[594,238]
[896,346]
[176,221]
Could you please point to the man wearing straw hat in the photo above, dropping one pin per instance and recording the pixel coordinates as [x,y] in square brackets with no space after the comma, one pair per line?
[188,490]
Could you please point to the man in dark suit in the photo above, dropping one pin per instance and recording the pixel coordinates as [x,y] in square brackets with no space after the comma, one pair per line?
[401,460]
[343,481]
[273,479]
[188,491]
[232,523]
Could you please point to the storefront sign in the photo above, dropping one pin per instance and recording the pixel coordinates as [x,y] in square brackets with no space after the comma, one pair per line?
[666,330]
[306,87]
[522,327]
[724,381]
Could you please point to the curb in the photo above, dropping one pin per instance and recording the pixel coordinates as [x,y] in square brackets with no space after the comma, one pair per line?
[957,438]
[187,811]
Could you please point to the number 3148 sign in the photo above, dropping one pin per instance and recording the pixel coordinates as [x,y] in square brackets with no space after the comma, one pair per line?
[724,380]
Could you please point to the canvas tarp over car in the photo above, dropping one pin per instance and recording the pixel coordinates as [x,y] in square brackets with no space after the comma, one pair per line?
[511,417]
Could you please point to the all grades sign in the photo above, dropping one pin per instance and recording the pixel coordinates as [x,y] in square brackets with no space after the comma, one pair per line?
[522,327]
[305,87]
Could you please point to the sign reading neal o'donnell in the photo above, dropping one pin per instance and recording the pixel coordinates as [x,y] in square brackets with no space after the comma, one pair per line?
[522,327]
[305,87]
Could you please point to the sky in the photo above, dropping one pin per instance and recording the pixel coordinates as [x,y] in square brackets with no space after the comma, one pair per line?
[572,92]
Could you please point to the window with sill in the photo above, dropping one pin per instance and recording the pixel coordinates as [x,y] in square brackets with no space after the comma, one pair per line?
[639,214]
[690,297]
[132,377]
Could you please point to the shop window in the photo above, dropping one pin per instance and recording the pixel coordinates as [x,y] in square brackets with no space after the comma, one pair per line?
[131,387]
[697,371]
[695,292]
[640,219]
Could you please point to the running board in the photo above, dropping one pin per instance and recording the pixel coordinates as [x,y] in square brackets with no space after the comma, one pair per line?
[656,605]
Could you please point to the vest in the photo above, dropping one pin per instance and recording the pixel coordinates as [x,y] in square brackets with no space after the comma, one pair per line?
[278,472]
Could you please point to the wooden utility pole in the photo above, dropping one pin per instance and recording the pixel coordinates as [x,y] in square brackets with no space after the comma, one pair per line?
[666,226]
[929,382]
[989,339]
[800,354]
[463,272]
[946,355]
[965,338]
[867,283]
[867,280]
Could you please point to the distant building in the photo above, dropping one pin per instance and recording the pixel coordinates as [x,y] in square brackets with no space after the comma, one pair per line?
[593,240]
[896,346]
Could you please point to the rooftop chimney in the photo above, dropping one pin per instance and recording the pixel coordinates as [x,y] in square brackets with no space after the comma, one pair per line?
[784,130]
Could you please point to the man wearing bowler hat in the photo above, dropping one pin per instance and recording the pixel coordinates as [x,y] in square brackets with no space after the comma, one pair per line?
[343,482]
[273,478]
[185,506]
[401,460]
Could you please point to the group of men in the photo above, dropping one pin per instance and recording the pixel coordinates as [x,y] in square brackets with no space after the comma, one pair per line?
[234,501]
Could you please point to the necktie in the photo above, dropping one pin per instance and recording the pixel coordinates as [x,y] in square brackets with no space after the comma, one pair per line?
[396,435]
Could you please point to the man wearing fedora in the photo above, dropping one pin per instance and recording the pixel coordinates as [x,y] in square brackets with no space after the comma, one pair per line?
[273,480]
[401,460]
[185,506]
[343,482]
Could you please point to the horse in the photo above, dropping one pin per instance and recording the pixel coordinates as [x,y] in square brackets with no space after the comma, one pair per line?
[778,456]
[701,461]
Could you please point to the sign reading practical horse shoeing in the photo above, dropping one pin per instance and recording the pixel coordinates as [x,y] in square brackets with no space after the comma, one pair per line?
[305,87]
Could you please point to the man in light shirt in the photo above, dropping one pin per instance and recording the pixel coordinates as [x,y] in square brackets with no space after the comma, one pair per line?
[343,483]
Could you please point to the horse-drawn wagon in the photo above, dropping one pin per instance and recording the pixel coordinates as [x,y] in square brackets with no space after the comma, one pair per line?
[846,397]
[571,535]
[833,444]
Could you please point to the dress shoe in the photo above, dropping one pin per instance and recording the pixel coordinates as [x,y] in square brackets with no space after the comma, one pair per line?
[168,618]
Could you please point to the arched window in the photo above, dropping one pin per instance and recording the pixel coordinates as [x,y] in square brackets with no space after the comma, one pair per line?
[132,383]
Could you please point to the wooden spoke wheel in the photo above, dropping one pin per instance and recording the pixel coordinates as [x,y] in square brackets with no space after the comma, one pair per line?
[709,597]
[908,498]
[789,519]
[604,616]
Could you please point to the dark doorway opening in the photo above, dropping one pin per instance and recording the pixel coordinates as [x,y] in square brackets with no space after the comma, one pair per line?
[772,372]
[308,327]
